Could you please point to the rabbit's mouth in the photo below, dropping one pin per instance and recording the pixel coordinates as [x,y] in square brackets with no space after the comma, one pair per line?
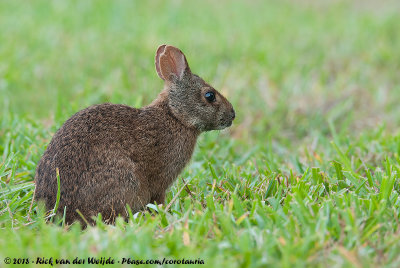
[227,121]
[224,124]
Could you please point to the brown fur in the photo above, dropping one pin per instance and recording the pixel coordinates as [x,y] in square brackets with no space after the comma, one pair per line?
[110,155]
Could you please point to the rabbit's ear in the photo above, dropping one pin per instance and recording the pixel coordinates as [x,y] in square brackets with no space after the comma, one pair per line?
[170,61]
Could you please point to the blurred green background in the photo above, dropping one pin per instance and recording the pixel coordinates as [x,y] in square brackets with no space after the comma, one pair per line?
[289,67]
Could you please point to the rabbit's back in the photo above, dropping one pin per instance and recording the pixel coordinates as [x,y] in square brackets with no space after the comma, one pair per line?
[110,155]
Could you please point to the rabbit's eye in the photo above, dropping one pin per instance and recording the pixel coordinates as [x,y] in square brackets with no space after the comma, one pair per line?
[210,96]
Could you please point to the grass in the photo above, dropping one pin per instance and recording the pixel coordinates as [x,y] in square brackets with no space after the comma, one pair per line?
[306,176]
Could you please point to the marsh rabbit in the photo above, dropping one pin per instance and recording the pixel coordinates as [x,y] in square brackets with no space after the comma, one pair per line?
[110,155]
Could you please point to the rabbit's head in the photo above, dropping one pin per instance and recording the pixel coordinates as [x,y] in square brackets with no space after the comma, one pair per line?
[190,98]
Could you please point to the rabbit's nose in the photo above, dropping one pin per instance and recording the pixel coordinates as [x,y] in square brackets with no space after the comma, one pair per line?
[233,114]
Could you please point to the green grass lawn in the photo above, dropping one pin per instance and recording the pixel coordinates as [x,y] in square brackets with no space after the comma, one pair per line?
[308,175]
